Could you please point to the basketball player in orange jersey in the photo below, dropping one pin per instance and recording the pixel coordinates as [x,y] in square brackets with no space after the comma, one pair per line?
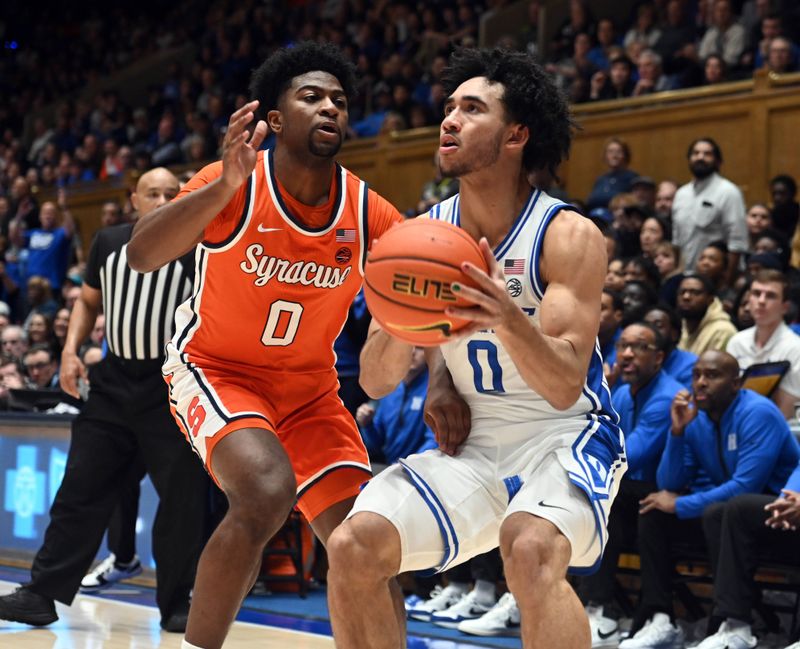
[281,239]
[540,466]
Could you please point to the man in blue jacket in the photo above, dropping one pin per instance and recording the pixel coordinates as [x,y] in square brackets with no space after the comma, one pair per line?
[643,403]
[398,429]
[740,443]
[752,527]
[677,362]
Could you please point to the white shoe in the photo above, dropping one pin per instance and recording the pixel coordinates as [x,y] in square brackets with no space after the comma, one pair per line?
[605,631]
[107,573]
[439,600]
[794,645]
[467,608]
[728,637]
[658,633]
[502,619]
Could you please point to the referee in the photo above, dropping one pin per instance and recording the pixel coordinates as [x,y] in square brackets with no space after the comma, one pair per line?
[126,416]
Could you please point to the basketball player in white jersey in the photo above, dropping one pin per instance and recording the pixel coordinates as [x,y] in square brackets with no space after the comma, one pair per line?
[540,466]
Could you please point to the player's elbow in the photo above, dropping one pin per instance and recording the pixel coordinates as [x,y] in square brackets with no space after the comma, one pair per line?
[375,388]
[138,258]
[565,394]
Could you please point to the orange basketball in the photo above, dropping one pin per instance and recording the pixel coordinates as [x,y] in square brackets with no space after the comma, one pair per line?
[408,276]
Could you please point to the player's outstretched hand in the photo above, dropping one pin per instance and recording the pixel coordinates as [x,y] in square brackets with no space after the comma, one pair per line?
[71,370]
[240,148]
[446,412]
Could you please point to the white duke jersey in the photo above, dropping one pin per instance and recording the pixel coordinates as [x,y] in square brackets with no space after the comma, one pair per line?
[482,370]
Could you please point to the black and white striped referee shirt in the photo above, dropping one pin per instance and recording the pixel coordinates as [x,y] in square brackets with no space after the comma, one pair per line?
[139,307]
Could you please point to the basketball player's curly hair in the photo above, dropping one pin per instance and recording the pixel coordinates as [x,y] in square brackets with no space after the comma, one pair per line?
[530,98]
[272,78]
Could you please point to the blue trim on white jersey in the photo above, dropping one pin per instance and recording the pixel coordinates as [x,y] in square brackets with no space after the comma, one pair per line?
[536,252]
[439,513]
[596,388]
[519,224]
[585,483]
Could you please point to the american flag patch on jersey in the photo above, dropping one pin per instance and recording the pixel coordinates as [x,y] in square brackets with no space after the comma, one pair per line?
[514,266]
[345,236]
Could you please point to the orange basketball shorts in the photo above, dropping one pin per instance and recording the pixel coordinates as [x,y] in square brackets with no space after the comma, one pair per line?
[304,410]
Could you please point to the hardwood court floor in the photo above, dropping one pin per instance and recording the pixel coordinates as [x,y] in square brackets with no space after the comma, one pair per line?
[95,623]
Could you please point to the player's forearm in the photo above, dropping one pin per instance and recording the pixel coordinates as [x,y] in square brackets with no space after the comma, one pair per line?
[549,366]
[173,229]
[384,362]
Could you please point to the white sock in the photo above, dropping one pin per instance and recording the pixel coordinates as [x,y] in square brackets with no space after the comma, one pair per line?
[485,592]
[188,645]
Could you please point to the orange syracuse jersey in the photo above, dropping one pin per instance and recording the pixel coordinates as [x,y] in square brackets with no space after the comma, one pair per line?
[275,278]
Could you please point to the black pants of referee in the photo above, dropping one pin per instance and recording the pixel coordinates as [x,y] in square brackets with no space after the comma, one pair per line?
[126,415]
[745,542]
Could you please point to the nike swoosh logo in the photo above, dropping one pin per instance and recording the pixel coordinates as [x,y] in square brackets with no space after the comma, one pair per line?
[603,636]
[261,228]
[444,327]
[542,503]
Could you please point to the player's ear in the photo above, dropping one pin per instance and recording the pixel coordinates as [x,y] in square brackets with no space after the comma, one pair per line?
[275,121]
[518,136]
[135,201]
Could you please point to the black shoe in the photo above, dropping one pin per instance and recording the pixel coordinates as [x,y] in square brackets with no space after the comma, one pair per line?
[23,605]
[175,623]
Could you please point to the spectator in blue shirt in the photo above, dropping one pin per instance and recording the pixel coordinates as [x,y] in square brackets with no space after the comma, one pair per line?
[643,403]
[677,362]
[751,528]
[617,156]
[49,245]
[741,443]
[396,428]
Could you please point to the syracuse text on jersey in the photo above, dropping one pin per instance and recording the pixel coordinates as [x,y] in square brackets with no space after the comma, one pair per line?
[265,267]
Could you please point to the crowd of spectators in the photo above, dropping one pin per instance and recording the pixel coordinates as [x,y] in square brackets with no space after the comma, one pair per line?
[54,132]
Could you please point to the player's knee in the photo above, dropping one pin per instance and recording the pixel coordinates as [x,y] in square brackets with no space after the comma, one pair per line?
[263,506]
[534,553]
[364,547]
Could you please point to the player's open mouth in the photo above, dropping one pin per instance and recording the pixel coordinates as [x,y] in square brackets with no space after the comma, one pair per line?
[448,143]
[329,128]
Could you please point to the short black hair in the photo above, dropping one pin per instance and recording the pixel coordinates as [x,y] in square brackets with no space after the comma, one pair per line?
[708,140]
[662,344]
[530,97]
[616,299]
[722,246]
[672,314]
[649,267]
[708,287]
[787,180]
[271,79]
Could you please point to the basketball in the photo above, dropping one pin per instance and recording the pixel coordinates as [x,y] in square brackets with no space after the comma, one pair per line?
[408,276]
